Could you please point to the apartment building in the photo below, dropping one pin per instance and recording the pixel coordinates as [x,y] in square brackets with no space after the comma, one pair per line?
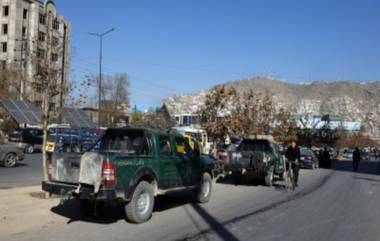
[31,29]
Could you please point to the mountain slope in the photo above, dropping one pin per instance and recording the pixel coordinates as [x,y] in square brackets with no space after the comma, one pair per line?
[350,100]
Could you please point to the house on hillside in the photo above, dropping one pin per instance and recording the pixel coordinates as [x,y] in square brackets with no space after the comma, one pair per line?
[183,116]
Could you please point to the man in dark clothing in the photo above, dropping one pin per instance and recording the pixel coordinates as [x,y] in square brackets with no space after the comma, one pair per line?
[326,158]
[293,155]
[356,159]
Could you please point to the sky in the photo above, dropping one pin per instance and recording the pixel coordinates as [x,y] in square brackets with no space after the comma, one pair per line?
[171,47]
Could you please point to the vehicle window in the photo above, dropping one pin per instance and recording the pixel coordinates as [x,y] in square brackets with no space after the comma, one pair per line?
[16,132]
[304,152]
[182,146]
[249,145]
[164,145]
[126,142]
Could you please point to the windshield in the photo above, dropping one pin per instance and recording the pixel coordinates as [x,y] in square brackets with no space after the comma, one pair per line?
[131,142]
[305,152]
[254,145]
[16,132]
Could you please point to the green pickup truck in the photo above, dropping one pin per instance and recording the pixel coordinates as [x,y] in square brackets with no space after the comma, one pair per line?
[132,165]
[257,158]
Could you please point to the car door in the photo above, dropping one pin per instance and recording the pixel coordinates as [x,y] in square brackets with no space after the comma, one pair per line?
[169,170]
[185,161]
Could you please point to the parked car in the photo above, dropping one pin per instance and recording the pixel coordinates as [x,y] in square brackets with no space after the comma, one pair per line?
[132,165]
[348,153]
[308,159]
[10,154]
[66,139]
[257,158]
[28,139]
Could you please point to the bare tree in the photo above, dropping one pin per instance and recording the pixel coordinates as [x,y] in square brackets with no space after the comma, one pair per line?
[115,95]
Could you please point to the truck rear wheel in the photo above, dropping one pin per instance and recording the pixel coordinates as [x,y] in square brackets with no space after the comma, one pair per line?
[203,192]
[140,208]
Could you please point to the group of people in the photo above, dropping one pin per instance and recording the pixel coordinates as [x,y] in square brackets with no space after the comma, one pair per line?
[293,156]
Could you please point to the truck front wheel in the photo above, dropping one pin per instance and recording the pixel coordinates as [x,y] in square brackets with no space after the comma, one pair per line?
[203,191]
[140,208]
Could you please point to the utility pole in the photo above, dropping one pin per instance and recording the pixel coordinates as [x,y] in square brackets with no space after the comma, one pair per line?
[100,36]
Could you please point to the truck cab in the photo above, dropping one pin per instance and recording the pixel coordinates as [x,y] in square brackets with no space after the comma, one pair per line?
[133,165]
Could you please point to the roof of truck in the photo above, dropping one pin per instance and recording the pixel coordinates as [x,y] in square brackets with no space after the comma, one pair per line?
[150,130]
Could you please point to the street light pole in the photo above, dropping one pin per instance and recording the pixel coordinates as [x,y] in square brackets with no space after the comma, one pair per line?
[100,35]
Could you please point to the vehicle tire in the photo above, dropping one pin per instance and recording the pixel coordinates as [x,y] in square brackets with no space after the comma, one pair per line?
[29,149]
[203,192]
[10,160]
[269,178]
[140,208]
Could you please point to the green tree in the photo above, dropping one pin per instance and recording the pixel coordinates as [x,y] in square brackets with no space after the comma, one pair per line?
[218,114]
[153,118]
[283,127]
[256,113]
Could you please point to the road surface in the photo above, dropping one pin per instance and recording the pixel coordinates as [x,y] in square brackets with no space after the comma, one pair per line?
[27,172]
[335,204]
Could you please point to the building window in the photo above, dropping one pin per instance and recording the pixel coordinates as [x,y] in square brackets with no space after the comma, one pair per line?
[54,41]
[25,13]
[41,36]
[55,24]
[40,53]
[23,31]
[54,57]
[51,106]
[42,19]
[4,47]
[38,103]
[38,88]
[4,29]
[5,11]
[3,64]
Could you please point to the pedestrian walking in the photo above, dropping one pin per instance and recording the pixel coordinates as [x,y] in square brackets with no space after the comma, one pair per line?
[356,159]
[293,155]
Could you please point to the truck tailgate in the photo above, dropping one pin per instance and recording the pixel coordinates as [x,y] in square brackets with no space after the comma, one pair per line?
[77,168]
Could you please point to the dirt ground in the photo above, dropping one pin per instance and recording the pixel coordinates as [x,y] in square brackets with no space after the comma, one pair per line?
[23,209]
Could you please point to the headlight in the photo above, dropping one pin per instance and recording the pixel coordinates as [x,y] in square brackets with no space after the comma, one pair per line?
[302,158]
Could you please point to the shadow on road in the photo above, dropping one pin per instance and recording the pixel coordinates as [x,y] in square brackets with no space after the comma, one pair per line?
[214,224]
[107,213]
[365,167]
[165,202]
[244,181]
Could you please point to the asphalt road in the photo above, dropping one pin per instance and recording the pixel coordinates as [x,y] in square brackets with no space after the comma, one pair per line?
[335,204]
[27,172]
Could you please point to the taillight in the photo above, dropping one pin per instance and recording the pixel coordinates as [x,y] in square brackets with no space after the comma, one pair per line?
[50,166]
[19,139]
[109,174]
